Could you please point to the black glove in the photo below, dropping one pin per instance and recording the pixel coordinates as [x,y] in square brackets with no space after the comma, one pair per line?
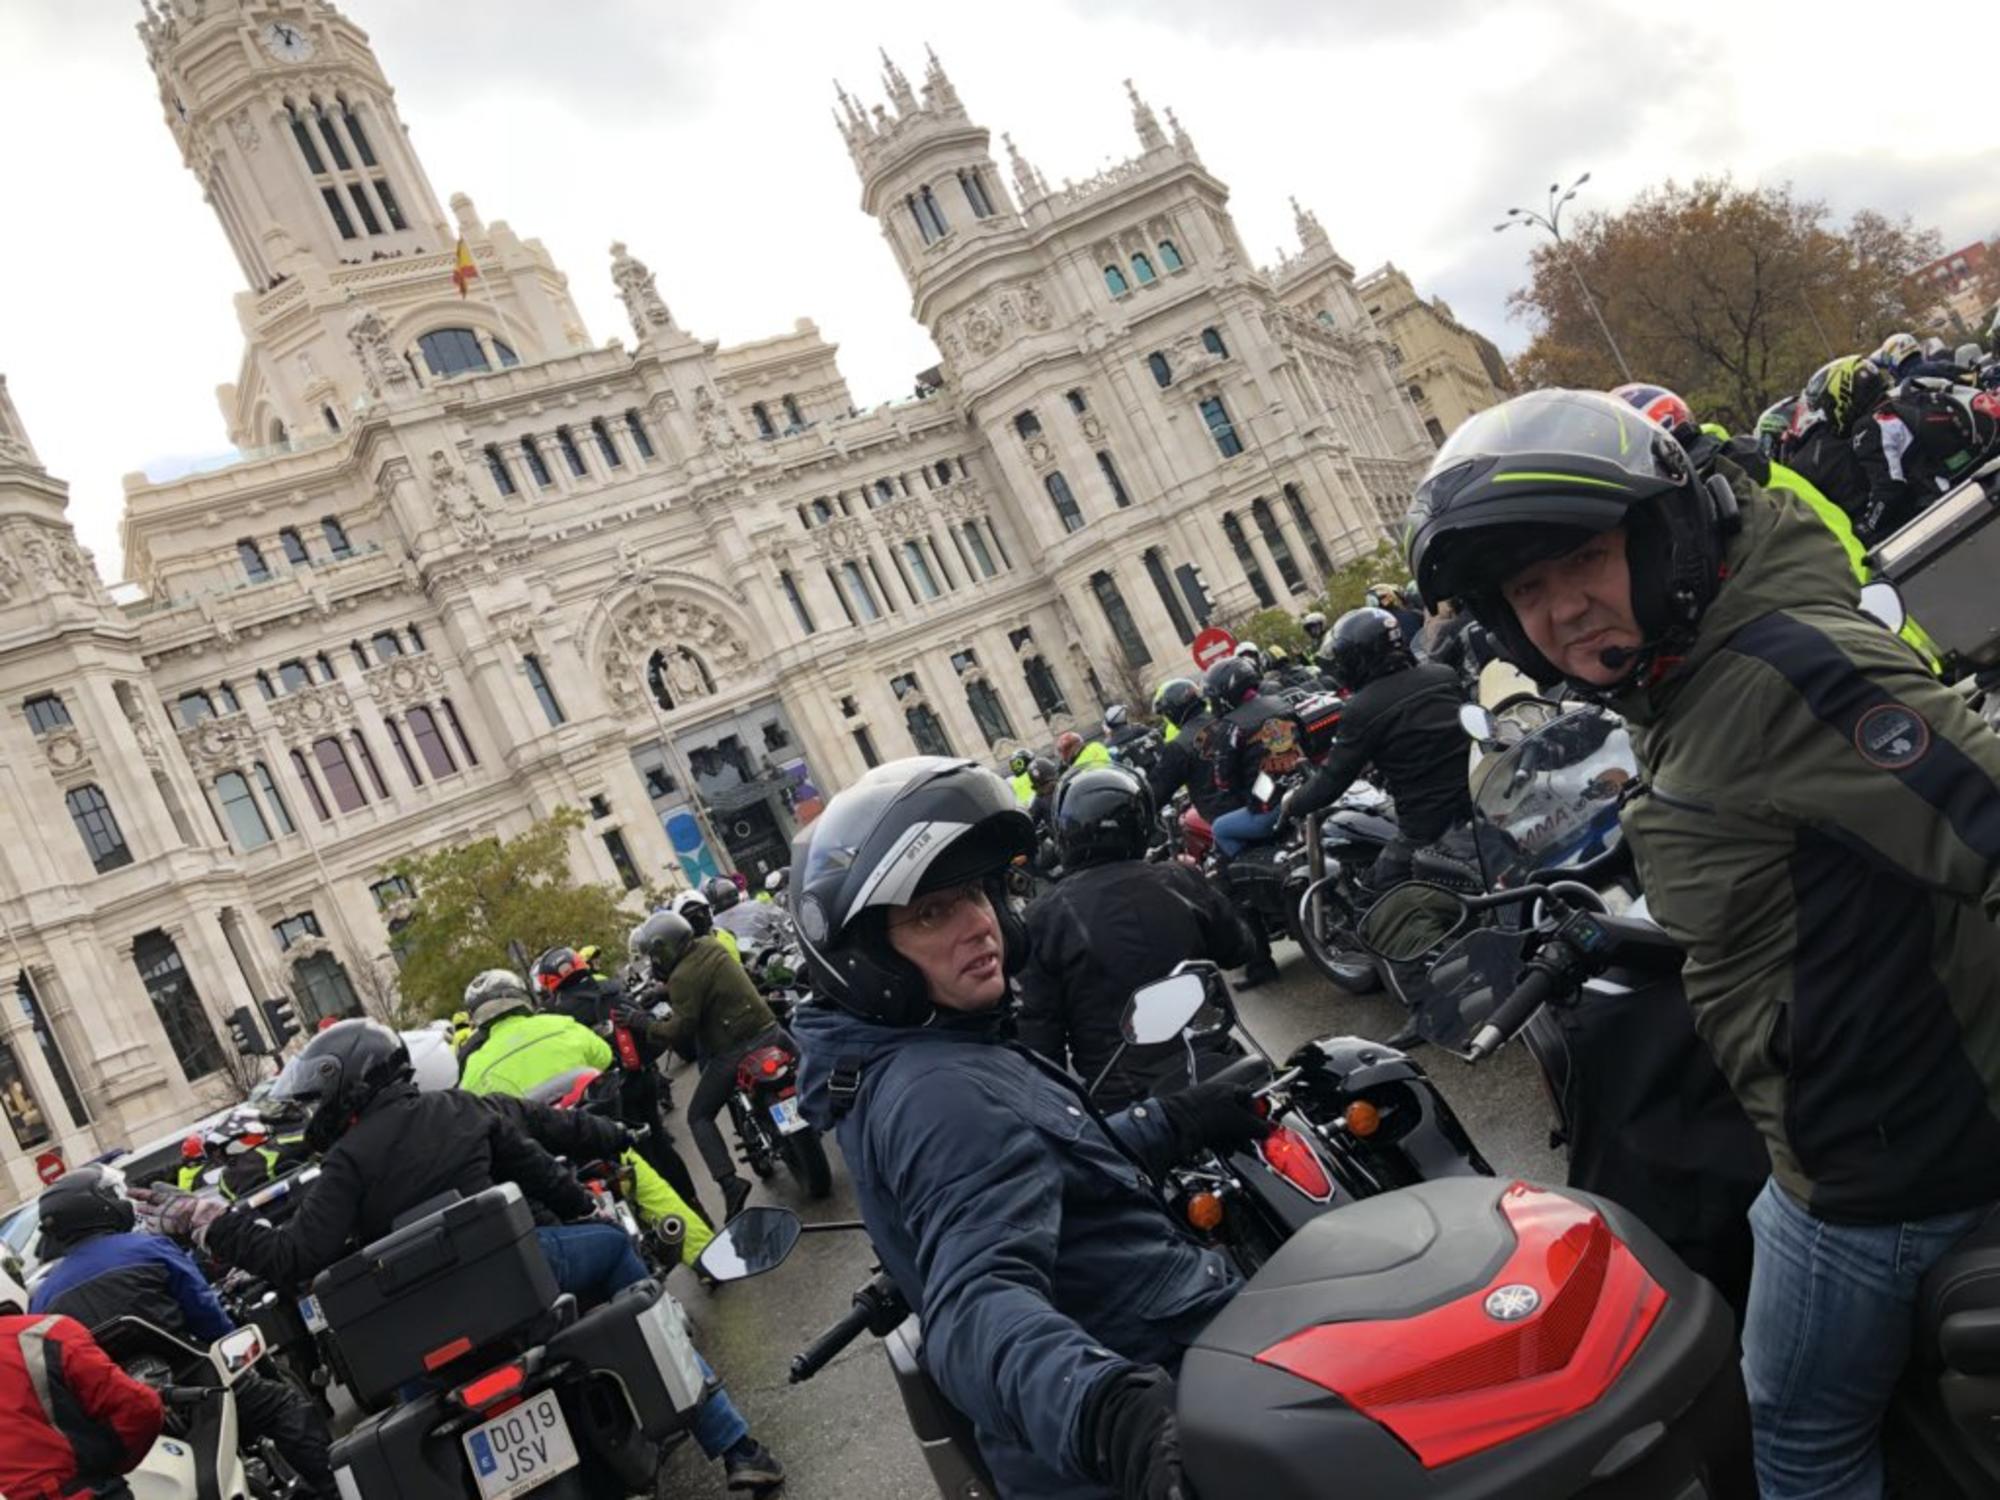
[1132,1437]
[1215,1115]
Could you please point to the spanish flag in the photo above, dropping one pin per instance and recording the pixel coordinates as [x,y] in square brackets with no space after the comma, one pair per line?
[462,269]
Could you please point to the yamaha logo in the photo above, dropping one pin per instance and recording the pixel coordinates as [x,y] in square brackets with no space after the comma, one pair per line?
[1510,1304]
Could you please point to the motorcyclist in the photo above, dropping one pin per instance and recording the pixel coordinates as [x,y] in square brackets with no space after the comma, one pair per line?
[1122,733]
[1259,736]
[1286,672]
[1387,596]
[1401,717]
[194,1162]
[1017,773]
[774,883]
[522,1047]
[1045,775]
[717,1017]
[694,908]
[1820,443]
[1897,356]
[75,1422]
[1184,760]
[1116,922]
[753,926]
[1831,874]
[1056,1295]
[1917,439]
[262,1147]
[1313,623]
[99,1268]
[387,1148]
[1079,754]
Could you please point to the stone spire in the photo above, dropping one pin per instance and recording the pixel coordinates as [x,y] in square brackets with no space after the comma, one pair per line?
[15,449]
[1183,142]
[938,90]
[642,299]
[1150,136]
[1028,184]
[897,86]
[1312,238]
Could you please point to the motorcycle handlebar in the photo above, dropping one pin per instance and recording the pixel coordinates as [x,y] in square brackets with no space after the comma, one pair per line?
[1529,996]
[874,1304]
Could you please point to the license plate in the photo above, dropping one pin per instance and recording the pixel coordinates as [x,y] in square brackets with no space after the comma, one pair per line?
[786,1113]
[526,1448]
[309,1312]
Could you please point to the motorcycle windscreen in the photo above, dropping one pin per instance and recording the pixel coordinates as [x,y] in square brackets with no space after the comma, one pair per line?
[1555,794]
[1451,997]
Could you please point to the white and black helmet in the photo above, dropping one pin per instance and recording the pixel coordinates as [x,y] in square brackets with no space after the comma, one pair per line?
[905,829]
[495,993]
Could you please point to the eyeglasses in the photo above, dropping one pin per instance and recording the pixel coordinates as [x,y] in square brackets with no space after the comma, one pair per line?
[936,911]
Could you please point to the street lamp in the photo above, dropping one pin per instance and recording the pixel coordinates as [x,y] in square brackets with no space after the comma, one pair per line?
[1551,220]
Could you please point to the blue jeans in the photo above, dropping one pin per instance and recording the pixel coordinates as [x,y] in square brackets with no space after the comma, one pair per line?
[596,1262]
[1825,1340]
[1238,830]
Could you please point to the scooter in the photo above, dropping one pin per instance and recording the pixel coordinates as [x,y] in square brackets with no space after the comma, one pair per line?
[1468,1337]
[198,1451]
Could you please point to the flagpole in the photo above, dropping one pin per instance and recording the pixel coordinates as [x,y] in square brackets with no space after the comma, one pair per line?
[492,303]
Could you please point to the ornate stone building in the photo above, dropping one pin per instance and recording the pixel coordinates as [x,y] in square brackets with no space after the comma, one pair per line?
[471,566]
[1447,370]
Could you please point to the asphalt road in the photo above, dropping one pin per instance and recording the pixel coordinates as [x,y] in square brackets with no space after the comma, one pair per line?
[842,1435]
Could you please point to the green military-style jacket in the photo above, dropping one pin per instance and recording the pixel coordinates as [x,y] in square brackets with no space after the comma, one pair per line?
[1820,830]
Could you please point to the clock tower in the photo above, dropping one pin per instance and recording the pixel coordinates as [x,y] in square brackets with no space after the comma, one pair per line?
[283,114]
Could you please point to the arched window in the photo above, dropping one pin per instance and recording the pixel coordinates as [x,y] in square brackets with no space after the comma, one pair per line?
[506,352]
[452,351]
[572,455]
[975,194]
[336,537]
[277,803]
[304,137]
[239,808]
[1123,628]
[295,548]
[98,827]
[332,422]
[332,138]
[1076,401]
[854,588]
[1142,270]
[1240,545]
[280,437]
[303,770]
[930,205]
[1212,342]
[252,558]
[763,420]
[944,473]
[1028,425]
[1115,280]
[537,465]
[194,706]
[1163,373]
[387,646]
[430,743]
[1274,539]
[1065,501]
[604,444]
[793,416]
[503,480]
[1416,392]
[638,430]
[821,512]
[1170,255]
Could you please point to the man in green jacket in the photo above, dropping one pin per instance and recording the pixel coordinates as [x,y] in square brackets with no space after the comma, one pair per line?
[717,1017]
[1820,830]
[522,1048]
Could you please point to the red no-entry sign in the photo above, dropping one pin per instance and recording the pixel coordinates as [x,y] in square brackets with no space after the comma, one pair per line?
[1211,646]
[49,1166]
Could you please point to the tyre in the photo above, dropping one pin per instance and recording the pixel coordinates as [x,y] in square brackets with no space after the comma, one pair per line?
[1330,944]
[750,1135]
[805,1156]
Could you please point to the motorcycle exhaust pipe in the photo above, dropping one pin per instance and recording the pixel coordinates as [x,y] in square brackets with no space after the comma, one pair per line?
[671,1232]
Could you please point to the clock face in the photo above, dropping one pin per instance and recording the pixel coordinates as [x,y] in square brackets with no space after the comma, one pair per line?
[287,41]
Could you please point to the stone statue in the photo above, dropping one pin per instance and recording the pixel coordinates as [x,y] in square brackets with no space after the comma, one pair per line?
[381,367]
[712,422]
[637,292]
[684,676]
[455,501]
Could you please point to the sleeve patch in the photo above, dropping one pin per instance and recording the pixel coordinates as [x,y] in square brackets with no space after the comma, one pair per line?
[1891,736]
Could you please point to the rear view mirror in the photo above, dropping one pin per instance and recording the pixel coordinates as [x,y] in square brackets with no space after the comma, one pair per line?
[1161,1011]
[1478,723]
[755,1241]
[1412,920]
[1881,602]
[238,1351]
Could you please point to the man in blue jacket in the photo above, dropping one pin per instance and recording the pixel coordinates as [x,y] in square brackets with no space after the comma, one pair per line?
[1056,1293]
[102,1270]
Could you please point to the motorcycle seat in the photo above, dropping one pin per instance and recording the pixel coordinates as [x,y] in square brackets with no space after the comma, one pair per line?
[1958,1304]
[1435,867]
[1250,1071]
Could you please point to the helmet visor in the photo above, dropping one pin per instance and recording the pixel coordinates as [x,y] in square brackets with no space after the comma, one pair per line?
[307,1080]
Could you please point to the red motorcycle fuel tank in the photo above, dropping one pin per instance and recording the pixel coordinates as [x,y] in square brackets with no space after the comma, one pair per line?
[1467,1338]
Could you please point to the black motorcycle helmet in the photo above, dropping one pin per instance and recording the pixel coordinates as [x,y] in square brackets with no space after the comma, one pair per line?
[339,1073]
[1535,477]
[1103,814]
[1363,645]
[1177,700]
[661,940]
[80,1205]
[722,892]
[903,830]
[1233,681]
[1043,773]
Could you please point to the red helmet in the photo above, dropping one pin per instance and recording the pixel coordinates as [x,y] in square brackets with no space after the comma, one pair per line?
[1658,403]
[192,1148]
[1069,745]
[557,966]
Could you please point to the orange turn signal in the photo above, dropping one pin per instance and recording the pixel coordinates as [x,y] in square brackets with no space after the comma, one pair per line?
[1204,1211]
[1362,1118]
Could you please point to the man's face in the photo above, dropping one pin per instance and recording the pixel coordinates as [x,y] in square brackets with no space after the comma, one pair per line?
[953,938]
[1577,606]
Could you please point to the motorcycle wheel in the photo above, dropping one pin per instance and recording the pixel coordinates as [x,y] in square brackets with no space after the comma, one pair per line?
[805,1156]
[1333,949]
[750,1134]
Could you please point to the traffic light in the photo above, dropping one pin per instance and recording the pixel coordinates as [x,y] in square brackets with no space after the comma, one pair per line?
[244,1033]
[1194,587]
[283,1021]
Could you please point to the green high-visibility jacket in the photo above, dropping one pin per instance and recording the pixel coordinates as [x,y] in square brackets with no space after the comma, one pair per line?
[521,1051]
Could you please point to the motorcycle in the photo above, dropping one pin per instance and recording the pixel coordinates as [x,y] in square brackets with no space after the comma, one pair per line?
[198,1452]
[765,1111]
[1467,1337]
[488,1383]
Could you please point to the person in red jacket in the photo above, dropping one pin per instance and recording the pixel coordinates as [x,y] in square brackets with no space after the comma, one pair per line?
[73,1419]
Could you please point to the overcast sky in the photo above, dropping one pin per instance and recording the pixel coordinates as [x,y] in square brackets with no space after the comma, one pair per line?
[700,134]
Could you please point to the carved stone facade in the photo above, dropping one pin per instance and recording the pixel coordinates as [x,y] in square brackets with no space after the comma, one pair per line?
[474,566]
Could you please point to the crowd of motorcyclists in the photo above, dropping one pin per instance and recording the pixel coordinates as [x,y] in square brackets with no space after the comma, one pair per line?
[1809,780]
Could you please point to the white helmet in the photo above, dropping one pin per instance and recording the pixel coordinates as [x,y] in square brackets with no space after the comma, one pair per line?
[685,899]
